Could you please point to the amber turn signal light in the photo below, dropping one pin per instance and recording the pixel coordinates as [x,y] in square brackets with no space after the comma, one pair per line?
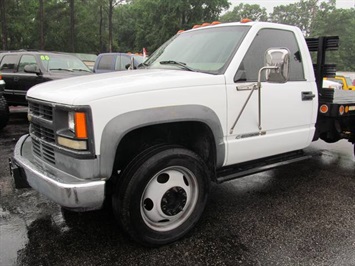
[80,125]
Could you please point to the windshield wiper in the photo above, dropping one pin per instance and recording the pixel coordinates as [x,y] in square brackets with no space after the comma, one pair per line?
[172,62]
[79,69]
[65,69]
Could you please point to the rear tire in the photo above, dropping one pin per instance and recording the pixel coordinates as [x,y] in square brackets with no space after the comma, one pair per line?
[334,138]
[161,195]
[4,112]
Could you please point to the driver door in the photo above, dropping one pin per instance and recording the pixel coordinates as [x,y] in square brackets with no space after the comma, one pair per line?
[287,119]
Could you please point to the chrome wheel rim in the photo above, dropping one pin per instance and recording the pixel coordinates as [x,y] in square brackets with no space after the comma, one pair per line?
[169,198]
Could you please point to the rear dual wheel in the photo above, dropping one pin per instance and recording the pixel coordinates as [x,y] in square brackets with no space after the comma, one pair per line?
[161,194]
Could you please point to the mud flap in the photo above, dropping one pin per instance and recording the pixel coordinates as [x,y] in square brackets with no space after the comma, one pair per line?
[18,174]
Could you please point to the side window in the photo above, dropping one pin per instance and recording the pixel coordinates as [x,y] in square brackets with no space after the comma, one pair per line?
[254,58]
[125,60]
[106,62]
[118,62]
[26,60]
[9,64]
[138,60]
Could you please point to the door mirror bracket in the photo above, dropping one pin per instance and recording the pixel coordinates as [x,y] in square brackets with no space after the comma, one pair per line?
[277,64]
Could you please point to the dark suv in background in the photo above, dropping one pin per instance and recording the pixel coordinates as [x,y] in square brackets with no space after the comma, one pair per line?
[23,69]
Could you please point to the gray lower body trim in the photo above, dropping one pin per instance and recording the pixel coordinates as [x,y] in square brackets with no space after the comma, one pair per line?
[63,188]
[121,125]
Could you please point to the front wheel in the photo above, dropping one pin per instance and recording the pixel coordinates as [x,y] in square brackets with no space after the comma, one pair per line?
[162,195]
[4,112]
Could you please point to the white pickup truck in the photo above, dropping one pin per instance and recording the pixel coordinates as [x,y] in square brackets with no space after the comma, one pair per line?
[211,104]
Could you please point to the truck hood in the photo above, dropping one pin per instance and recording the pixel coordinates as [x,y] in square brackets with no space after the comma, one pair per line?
[85,89]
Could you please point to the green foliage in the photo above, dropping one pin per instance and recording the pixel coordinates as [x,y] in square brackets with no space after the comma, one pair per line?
[301,14]
[253,12]
[20,34]
[136,23]
[339,22]
[149,23]
[321,18]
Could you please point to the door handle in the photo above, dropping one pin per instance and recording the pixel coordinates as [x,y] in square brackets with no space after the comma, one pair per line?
[307,96]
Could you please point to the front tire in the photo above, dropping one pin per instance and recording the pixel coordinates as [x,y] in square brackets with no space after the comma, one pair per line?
[4,112]
[161,195]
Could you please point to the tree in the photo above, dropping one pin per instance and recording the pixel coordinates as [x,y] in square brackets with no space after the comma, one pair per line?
[91,26]
[253,12]
[110,11]
[112,4]
[18,29]
[321,18]
[149,23]
[301,14]
[3,24]
[94,26]
[72,25]
[41,22]
[338,22]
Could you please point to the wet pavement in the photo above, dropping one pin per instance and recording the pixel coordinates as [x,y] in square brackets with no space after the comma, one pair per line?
[300,214]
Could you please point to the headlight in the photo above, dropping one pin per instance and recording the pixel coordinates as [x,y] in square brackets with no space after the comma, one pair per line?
[77,124]
[75,135]
[71,122]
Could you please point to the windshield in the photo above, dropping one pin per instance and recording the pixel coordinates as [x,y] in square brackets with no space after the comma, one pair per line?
[206,50]
[63,62]
[138,59]
[348,81]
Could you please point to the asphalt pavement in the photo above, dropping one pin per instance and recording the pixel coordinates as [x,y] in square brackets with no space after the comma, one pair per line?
[299,214]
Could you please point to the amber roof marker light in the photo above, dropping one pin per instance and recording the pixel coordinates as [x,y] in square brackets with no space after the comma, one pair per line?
[245,20]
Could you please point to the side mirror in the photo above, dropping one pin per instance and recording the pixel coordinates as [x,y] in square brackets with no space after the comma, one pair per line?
[280,58]
[131,66]
[33,68]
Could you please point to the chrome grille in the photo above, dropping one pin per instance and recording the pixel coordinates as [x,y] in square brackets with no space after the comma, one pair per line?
[42,131]
[43,151]
[41,110]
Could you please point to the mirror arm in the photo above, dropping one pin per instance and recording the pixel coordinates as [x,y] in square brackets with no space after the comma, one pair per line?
[259,88]
[131,66]
[256,86]
[245,104]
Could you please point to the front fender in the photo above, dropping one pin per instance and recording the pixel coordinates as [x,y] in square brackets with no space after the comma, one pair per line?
[121,125]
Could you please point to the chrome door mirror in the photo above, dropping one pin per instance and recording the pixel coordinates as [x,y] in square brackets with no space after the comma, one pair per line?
[280,58]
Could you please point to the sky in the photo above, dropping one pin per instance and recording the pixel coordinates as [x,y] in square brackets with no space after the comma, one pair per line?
[270,4]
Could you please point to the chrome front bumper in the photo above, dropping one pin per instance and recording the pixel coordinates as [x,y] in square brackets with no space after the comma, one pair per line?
[64,189]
